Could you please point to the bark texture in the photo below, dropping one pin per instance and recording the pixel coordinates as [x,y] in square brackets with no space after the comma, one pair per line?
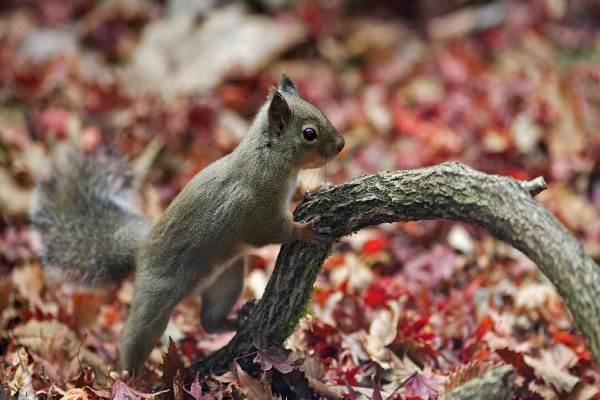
[493,385]
[502,205]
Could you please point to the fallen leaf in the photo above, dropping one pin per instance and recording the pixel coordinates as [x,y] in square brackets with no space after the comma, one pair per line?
[172,50]
[382,332]
[121,391]
[553,367]
[251,387]
[425,384]
[172,366]
[538,300]
[78,394]
[20,379]
[273,357]
[37,336]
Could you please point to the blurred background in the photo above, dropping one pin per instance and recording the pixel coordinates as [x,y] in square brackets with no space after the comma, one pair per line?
[508,87]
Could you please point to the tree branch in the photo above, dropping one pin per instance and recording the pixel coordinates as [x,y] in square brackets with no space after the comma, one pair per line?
[493,385]
[502,205]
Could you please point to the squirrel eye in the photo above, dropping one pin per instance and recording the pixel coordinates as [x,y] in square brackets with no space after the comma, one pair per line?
[309,134]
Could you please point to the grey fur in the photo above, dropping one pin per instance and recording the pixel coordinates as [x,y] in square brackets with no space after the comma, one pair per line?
[81,214]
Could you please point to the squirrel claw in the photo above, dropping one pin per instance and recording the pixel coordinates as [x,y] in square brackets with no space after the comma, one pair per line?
[311,233]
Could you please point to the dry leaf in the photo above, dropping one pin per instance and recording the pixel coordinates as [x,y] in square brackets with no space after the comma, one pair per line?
[77,394]
[178,57]
[382,332]
[20,379]
[538,300]
[353,271]
[563,381]
[251,387]
[37,335]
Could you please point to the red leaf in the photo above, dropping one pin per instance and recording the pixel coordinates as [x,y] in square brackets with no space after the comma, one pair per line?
[563,337]
[376,391]
[121,391]
[375,297]
[375,245]
[517,360]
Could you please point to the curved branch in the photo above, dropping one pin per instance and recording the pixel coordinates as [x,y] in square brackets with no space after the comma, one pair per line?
[502,205]
[494,385]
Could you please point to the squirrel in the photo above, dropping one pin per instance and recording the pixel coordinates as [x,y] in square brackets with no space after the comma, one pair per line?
[239,202]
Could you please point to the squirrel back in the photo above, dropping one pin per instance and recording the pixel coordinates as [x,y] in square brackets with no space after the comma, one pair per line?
[88,230]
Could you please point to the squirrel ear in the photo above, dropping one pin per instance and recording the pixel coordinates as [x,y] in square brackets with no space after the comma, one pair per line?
[279,114]
[287,85]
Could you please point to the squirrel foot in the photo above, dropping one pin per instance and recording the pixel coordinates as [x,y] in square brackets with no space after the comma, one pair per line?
[310,233]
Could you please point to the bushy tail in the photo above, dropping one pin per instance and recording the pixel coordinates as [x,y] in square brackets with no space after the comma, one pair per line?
[87,228]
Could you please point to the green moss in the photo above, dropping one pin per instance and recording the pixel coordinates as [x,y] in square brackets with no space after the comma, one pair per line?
[284,331]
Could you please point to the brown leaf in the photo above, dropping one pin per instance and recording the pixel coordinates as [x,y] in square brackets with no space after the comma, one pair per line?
[78,394]
[86,307]
[28,279]
[173,366]
[14,199]
[20,378]
[251,387]
[324,390]
[5,289]
[41,337]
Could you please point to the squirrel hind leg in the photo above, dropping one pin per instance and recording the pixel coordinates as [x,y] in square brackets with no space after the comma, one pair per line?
[219,298]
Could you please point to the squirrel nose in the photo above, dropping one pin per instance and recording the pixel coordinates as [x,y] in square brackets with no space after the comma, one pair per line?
[341,144]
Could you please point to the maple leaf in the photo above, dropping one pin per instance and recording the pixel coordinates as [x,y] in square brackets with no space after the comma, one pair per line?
[77,394]
[516,360]
[196,391]
[252,388]
[121,391]
[424,384]
[273,357]
[172,363]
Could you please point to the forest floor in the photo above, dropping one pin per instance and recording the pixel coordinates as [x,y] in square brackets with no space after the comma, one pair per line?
[511,88]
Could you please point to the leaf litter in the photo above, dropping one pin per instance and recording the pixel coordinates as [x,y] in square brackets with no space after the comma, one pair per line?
[507,87]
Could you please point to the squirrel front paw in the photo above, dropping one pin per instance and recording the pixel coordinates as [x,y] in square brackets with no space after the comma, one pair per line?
[309,232]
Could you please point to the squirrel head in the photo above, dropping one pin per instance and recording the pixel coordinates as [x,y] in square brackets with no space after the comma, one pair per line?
[299,129]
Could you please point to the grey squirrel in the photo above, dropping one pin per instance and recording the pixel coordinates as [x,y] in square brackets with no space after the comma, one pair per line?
[236,203]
